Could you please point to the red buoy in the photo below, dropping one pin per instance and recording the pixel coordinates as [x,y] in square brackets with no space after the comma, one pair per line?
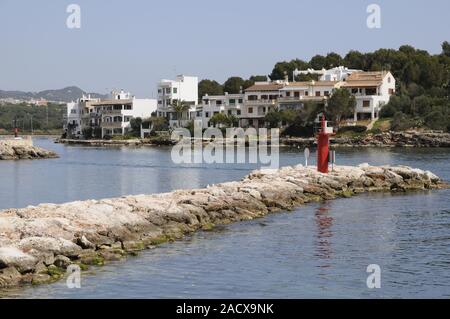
[323,142]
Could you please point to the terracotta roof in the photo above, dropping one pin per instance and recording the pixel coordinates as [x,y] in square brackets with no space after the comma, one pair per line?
[311,83]
[264,87]
[365,79]
[111,102]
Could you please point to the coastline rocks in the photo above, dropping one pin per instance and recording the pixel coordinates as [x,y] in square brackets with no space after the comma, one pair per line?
[386,139]
[38,243]
[22,149]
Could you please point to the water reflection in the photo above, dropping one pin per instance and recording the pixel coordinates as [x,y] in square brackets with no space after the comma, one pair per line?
[324,234]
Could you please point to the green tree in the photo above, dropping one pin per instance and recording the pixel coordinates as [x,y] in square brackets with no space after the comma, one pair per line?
[355,60]
[341,104]
[87,132]
[286,68]
[180,108]
[333,60]
[209,87]
[219,119]
[233,85]
[318,62]
[273,118]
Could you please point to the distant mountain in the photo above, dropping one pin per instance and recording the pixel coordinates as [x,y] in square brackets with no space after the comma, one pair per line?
[67,94]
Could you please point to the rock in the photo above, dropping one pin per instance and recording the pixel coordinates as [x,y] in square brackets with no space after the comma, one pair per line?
[13,257]
[62,261]
[9,277]
[39,279]
[85,243]
[11,149]
[41,268]
[92,231]
[58,246]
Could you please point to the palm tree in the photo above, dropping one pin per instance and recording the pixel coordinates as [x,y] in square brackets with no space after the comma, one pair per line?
[179,108]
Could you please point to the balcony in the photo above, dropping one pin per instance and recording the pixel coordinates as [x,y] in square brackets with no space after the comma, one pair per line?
[286,99]
[111,124]
[112,112]
[260,102]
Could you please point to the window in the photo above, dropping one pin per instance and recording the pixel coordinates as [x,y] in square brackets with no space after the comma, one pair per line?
[252,97]
[391,91]
[206,114]
[238,112]
[175,90]
[240,101]
[117,107]
[127,107]
[366,103]
[326,93]
[371,91]
[73,111]
[159,91]
[264,109]
[127,118]
[250,110]
[232,101]
[288,94]
[218,102]
[306,93]
[317,93]
[159,102]
[354,91]
[167,90]
[296,94]
[229,112]
[389,79]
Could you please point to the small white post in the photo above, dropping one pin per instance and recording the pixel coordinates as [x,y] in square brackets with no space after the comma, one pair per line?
[306,152]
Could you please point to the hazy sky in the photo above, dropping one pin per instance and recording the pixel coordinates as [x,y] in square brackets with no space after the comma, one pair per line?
[132,44]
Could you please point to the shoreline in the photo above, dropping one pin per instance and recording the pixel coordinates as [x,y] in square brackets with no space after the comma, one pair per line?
[38,243]
[387,139]
[23,149]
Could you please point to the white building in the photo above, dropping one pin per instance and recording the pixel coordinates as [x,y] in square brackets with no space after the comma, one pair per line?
[339,73]
[73,121]
[372,90]
[183,88]
[228,104]
[294,94]
[112,116]
[260,99]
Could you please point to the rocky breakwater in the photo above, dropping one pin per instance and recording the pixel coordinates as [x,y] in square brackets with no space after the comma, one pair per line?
[396,139]
[38,243]
[14,149]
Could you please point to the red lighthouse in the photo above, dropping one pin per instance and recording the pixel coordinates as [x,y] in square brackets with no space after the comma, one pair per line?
[323,142]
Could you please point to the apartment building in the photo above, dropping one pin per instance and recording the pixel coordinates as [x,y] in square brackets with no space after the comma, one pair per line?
[372,90]
[183,88]
[76,119]
[260,99]
[228,104]
[294,94]
[112,116]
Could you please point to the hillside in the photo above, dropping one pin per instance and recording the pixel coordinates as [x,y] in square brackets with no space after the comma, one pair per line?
[67,94]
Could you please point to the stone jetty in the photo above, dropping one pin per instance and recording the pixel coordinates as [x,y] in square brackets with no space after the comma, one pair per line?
[38,243]
[385,139]
[14,149]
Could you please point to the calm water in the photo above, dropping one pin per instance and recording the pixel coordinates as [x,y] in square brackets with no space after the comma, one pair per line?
[319,250]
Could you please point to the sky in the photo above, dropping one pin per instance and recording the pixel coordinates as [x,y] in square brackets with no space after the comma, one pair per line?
[133,44]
